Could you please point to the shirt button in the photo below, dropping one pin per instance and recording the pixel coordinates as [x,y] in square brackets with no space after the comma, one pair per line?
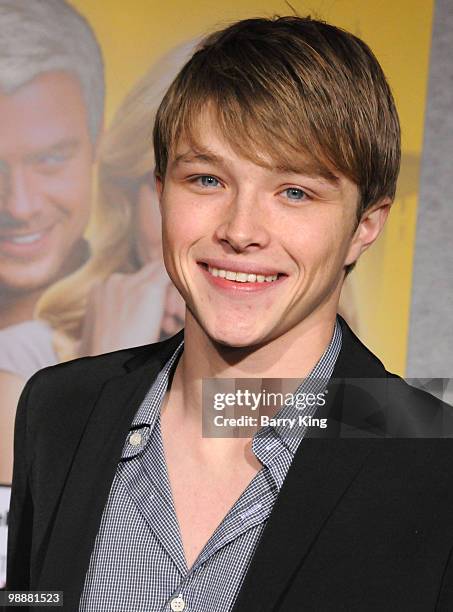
[177,604]
[135,439]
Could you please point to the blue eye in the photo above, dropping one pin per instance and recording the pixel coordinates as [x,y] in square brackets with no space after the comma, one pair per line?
[295,194]
[208,181]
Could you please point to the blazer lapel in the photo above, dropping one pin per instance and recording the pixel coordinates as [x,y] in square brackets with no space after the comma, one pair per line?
[89,480]
[324,466]
[321,472]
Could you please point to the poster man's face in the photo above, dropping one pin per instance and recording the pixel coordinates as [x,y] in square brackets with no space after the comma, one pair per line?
[222,211]
[46,158]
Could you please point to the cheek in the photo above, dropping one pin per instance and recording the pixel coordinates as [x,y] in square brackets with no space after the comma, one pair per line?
[176,239]
[181,231]
[316,245]
[71,198]
[72,188]
[183,225]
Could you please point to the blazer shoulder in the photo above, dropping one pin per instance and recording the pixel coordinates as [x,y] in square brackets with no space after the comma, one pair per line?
[83,377]
[405,390]
[101,367]
[414,412]
[381,402]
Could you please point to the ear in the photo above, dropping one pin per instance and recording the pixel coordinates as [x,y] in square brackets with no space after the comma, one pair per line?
[370,226]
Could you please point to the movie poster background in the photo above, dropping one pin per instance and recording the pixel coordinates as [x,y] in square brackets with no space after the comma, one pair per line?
[147,36]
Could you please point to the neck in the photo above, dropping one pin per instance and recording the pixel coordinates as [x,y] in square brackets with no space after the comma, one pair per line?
[292,355]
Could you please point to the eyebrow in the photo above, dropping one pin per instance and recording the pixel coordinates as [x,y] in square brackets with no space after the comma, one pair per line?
[314,171]
[193,156]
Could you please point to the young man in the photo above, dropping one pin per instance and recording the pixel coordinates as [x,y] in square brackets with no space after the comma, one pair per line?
[277,153]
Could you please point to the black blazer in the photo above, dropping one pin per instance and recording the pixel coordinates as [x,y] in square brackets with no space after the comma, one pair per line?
[364,520]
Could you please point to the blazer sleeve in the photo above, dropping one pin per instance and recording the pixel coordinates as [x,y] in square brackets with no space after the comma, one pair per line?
[20,516]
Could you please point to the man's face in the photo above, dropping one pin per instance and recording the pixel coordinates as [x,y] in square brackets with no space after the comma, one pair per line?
[46,158]
[223,210]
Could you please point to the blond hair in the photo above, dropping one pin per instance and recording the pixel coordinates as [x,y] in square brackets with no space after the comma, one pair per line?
[304,92]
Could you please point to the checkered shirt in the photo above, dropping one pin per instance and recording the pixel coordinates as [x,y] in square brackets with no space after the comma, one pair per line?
[138,562]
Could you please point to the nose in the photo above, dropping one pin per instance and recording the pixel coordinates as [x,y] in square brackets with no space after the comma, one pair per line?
[19,196]
[244,225]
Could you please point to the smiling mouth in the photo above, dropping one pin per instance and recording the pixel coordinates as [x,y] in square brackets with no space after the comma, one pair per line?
[23,246]
[25,238]
[241,277]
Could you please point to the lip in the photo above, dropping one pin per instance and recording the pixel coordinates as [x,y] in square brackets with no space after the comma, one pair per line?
[237,288]
[39,246]
[235,266]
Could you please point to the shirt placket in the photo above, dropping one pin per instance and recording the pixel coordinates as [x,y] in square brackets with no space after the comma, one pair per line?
[251,509]
[147,484]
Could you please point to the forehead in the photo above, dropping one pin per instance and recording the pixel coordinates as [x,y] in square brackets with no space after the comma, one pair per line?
[42,111]
[207,141]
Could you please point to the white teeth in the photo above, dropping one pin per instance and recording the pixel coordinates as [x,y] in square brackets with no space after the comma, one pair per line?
[26,239]
[242,277]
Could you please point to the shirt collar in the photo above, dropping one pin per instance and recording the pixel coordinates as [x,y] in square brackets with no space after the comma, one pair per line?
[267,442]
[146,416]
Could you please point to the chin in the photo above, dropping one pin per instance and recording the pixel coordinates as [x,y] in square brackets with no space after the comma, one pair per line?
[235,338]
[27,283]
[233,343]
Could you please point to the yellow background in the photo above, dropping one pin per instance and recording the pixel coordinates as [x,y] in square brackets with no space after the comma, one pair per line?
[135,33]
